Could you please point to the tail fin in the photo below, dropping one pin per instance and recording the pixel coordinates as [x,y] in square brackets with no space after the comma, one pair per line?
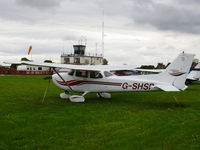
[176,73]
[194,73]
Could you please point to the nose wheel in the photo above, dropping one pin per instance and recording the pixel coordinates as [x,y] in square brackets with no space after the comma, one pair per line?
[74,98]
[64,96]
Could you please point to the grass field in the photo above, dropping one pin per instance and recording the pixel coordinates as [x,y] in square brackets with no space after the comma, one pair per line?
[128,121]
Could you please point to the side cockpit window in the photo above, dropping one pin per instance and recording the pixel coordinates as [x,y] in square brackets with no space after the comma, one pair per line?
[71,72]
[95,75]
[81,73]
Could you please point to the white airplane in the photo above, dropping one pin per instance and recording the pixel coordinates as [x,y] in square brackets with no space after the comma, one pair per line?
[194,74]
[87,79]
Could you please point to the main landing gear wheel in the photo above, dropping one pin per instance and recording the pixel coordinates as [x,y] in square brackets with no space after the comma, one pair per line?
[104,95]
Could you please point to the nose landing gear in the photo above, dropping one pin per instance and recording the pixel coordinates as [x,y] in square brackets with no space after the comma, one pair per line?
[74,98]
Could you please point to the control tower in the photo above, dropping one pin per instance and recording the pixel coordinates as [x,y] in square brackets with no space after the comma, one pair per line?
[80,57]
[79,50]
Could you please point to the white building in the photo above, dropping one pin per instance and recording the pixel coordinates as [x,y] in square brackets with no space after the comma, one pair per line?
[80,58]
[31,68]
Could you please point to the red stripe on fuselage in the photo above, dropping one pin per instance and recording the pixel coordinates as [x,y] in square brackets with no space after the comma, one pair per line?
[81,82]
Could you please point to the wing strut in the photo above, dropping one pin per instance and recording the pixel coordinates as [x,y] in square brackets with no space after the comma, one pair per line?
[63,79]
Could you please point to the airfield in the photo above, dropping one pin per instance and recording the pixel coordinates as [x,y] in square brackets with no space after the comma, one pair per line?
[133,120]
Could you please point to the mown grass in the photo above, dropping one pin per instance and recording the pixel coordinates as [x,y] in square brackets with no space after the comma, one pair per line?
[134,120]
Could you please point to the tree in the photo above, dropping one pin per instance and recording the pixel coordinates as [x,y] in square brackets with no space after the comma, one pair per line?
[105,62]
[48,61]
[147,67]
[160,66]
[24,59]
[13,66]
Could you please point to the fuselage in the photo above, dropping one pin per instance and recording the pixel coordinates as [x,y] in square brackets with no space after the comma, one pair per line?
[104,84]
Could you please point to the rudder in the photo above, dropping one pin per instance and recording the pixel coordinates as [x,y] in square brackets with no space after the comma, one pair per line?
[176,73]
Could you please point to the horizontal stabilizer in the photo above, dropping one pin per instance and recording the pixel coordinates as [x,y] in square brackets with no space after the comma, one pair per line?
[167,87]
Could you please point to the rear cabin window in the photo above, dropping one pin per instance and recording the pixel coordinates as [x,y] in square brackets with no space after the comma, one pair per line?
[81,73]
[95,75]
[107,74]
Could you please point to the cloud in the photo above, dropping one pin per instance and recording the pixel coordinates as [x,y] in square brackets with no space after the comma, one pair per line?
[178,16]
[166,15]
[40,4]
[137,31]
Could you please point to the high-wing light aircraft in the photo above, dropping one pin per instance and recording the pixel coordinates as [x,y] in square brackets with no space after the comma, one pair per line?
[87,79]
[194,74]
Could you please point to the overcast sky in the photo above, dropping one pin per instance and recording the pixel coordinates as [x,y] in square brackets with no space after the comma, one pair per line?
[136,31]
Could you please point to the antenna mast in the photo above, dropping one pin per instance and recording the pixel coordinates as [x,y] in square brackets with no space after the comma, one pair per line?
[103,34]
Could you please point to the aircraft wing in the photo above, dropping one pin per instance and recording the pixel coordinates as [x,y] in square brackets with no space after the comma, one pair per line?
[75,67]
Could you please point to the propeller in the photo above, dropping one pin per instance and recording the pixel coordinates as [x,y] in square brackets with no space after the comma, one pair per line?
[49,79]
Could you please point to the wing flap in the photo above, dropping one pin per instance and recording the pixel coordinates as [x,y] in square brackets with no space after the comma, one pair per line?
[167,87]
[150,70]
